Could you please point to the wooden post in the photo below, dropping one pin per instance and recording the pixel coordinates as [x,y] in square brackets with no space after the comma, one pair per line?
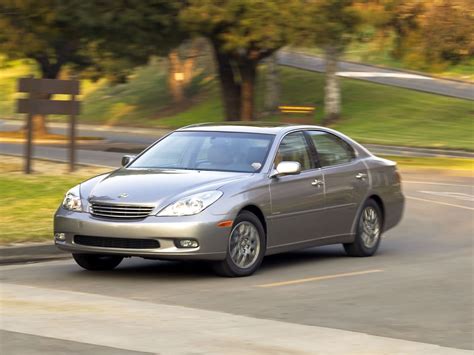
[29,138]
[29,143]
[36,104]
[72,139]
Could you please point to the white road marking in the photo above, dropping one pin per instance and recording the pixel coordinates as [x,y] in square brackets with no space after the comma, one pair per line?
[150,327]
[456,195]
[435,183]
[318,278]
[439,203]
[360,74]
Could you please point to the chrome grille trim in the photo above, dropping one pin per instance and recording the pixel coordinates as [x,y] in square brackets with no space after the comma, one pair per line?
[119,211]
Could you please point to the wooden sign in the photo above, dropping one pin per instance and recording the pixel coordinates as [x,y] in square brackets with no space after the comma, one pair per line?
[48,107]
[35,105]
[48,86]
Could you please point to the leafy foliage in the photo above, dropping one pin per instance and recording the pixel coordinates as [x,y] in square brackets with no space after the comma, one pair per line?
[331,23]
[50,32]
[244,28]
[111,37]
[242,32]
[429,34]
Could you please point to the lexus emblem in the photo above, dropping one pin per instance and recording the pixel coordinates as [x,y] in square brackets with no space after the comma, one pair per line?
[123,195]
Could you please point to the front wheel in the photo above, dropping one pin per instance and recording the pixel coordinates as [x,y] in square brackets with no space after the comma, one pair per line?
[96,262]
[369,231]
[246,247]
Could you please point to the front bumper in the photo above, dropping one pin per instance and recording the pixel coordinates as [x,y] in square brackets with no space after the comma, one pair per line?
[166,230]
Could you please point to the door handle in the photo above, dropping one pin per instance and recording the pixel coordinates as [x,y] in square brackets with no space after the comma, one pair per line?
[317,182]
[361,176]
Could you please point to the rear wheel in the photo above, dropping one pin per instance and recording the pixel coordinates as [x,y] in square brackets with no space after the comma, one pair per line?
[96,262]
[246,247]
[369,231]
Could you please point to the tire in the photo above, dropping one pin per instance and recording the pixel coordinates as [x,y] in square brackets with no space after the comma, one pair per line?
[97,262]
[246,228]
[366,243]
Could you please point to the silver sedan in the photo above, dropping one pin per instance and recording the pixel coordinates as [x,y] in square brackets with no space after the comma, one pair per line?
[232,194]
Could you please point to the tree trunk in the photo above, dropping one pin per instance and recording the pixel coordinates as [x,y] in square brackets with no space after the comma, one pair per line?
[189,63]
[175,77]
[332,97]
[39,125]
[272,85]
[230,87]
[248,72]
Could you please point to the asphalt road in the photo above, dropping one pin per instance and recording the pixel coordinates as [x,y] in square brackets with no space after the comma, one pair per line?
[413,297]
[125,139]
[392,77]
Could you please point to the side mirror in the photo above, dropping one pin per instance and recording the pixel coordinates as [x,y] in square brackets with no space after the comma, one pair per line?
[127,159]
[287,168]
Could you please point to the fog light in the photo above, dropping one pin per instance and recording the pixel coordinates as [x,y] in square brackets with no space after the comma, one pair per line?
[188,243]
[60,236]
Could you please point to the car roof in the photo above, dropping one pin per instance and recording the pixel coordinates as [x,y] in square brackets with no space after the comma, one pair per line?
[248,127]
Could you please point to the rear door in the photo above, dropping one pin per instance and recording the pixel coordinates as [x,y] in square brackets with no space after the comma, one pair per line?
[345,181]
[297,200]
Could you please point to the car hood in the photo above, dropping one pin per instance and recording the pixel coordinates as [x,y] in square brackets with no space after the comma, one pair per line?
[157,187]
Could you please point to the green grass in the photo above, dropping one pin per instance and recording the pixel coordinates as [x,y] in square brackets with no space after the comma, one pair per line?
[27,206]
[28,202]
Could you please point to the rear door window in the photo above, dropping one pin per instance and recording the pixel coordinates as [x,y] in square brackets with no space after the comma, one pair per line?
[332,150]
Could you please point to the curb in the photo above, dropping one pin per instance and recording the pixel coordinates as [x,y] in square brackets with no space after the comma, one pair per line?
[18,254]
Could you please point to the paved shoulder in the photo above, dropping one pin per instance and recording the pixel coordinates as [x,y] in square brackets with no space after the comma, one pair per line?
[150,327]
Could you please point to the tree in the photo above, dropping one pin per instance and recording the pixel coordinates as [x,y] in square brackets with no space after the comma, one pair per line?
[242,33]
[432,33]
[108,37]
[127,34]
[181,67]
[48,32]
[272,85]
[331,25]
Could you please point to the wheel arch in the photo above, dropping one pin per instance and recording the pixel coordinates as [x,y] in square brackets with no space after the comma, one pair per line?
[378,200]
[257,212]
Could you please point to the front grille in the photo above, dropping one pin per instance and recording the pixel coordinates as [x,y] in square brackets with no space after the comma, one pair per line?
[117,211]
[124,243]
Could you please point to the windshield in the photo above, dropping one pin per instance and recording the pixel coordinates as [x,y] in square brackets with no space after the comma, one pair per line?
[220,151]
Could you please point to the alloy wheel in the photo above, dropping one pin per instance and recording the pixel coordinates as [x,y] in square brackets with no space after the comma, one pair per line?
[370,227]
[244,246]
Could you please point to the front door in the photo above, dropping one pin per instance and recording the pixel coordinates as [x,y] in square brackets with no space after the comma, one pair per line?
[346,182]
[297,200]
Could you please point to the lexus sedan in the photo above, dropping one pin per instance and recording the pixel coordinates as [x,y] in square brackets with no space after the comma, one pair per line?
[231,194]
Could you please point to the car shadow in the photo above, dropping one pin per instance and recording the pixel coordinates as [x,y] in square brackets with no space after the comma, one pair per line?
[304,256]
[140,269]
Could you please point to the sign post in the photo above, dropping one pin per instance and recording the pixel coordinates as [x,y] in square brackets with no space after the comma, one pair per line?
[36,105]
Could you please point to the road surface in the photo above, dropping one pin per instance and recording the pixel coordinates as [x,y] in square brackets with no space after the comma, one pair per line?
[392,77]
[123,138]
[413,297]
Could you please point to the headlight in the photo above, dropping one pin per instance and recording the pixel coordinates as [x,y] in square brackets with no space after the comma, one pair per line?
[191,205]
[72,200]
